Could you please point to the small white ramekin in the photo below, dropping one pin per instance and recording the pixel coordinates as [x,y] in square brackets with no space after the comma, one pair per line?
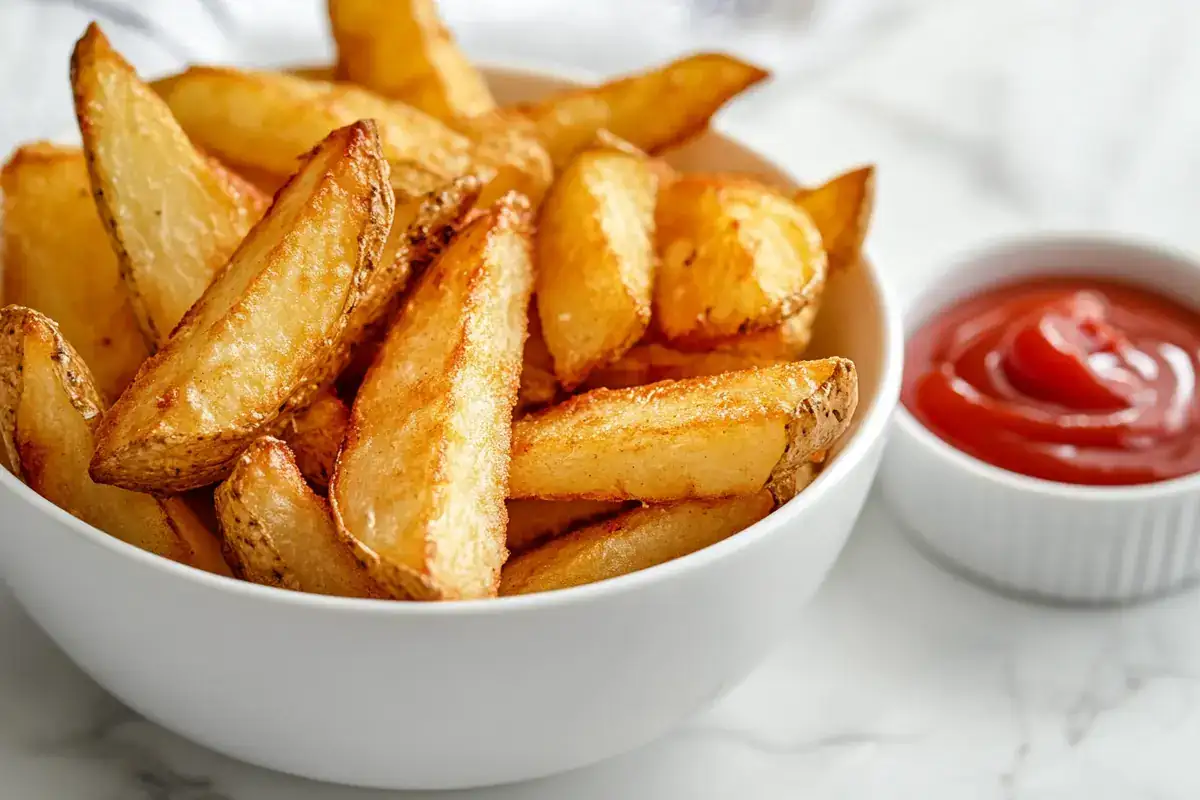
[1035,538]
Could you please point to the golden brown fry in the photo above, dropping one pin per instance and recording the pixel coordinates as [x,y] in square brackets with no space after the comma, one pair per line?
[314,72]
[279,533]
[652,110]
[314,436]
[193,528]
[736,257]
[596,261]
[719,436]
[509,145]
[538,384]
[263,331]
[57,260]
[533,521]
[174,215]
[633,541]
[49,410]
[401,49]
[841,209]
[419,484]
[269,120]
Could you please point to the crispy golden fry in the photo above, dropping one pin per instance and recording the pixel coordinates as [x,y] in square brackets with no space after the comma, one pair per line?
[57,260]
[193,528]
[262,332]
[630,542]
[268,120]
[736,257]
[841,209]
[314,436]
[401,49]
[538,384]
[174,215]
[653,110]
[314,72]
[419,484]
[596,261]
[49,409]
[718,436]
[533,521]
[509,145]
[279,533]
[651,362]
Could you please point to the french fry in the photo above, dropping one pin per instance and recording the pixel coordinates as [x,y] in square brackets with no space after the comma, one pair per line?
[279,533]
[401,49]
[635,540]
[49,410]
[57,260]
[269,120]
[174,215]
[262,332]
[533,521]
[841,209]
[509,145]
[419,484]
[737,257]
[314,436]
[596,261]
[720,436]
[652,110]
[538,386]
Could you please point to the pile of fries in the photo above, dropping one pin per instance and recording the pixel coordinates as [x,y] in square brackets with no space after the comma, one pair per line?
[465,350]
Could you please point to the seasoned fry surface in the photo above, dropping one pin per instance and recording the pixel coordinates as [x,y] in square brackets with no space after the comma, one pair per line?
[314,436]
[174,215]
[260,332]
[841,209]
[530,522]
[595,257]
[57,259]
[279,533]
[736,257]
[419,485]
[630,542]
[719,436]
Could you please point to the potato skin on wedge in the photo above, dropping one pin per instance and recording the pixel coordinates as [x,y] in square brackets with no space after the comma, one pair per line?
[595,260]
[401,49]
[279,533]
[57,259]
[419,484]
[736,257]
[173,214]
[632,541]
[49,411]
[720,436]
[653,110]
[263,331]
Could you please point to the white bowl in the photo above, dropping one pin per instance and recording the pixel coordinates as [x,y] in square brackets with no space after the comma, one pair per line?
[1031,537]
[406,695]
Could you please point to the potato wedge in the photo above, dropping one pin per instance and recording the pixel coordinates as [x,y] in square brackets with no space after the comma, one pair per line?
[533,521]
[635,540]
[595,259]
[719,436]
[269,120]
[841,209]
[419,484]
[538,384]
[174,215]
[401,49]
[314,436]
[57,260]
[49,410]
[652,110]
[737,257]
[279,533]
[262,332]
[650,362]
[509,145]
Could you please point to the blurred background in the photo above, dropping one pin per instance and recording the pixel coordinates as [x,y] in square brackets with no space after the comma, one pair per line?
[985,116]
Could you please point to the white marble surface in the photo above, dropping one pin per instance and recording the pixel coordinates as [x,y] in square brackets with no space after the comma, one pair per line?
[899,681]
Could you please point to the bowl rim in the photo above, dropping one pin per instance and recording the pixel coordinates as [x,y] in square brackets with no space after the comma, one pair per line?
[968,262]
[872,428]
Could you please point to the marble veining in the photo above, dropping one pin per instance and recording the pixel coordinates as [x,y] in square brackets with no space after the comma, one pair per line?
[986,117]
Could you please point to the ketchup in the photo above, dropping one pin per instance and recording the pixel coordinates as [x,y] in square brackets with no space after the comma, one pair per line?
[1073,380]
